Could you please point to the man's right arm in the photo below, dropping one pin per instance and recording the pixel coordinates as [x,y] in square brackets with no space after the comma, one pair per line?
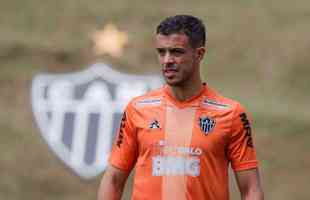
[112,184]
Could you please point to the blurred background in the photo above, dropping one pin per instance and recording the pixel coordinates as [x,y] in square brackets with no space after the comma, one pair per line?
[258,54]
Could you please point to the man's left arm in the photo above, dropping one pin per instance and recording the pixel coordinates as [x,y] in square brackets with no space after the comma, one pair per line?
[241,153]
[249,184]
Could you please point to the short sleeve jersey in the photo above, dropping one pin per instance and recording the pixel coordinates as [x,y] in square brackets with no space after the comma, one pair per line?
[182,150]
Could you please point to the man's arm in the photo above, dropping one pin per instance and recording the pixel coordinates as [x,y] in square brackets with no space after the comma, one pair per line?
[249,184]
[112,184]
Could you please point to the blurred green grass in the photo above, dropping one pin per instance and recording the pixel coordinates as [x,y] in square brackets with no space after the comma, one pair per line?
[257,54]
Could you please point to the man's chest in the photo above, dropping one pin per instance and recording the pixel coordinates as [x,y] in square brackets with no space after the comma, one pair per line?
[204,129]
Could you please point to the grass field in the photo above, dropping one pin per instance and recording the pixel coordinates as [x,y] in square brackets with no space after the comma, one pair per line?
[257,54]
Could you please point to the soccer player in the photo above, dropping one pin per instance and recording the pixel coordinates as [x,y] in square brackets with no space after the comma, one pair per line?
[183,137]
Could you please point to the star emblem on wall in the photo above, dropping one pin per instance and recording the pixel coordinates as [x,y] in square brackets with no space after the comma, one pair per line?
[110,40]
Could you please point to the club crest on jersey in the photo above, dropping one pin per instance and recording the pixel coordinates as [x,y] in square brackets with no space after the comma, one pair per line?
[79,113]
[154,124]
[206,124]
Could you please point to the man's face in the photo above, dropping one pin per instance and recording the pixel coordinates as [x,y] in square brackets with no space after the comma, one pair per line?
[179,61]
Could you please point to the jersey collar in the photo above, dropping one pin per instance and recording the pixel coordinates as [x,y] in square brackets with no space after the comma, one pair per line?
[192,101]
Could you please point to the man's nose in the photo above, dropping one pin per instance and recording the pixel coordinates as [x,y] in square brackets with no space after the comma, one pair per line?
[168,58]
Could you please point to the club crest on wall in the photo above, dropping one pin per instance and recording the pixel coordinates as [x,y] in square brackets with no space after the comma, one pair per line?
[78,114]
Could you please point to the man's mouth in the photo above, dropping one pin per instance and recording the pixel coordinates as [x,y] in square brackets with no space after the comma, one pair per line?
[169,72]
[170,68]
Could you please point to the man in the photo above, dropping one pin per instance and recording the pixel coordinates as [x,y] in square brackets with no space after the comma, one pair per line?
[182,137]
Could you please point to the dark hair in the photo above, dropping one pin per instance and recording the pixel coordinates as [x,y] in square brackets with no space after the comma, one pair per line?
[189,25]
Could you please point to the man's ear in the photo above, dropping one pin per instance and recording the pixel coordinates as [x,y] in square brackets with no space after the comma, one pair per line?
[200,52]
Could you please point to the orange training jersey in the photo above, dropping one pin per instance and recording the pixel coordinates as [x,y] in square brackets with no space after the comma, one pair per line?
[182,150]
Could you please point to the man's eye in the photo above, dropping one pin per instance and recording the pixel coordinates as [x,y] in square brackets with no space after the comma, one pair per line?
[161,51]
[177,51]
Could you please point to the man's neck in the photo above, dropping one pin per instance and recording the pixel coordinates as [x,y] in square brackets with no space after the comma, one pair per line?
[185,92]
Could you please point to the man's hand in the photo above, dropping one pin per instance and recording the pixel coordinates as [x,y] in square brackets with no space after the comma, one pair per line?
[112,184]
[249,184]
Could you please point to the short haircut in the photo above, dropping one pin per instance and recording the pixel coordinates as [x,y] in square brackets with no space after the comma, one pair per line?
[189,25]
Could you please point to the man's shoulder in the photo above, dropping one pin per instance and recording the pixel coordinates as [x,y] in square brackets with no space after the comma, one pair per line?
[149,99]
[213,99]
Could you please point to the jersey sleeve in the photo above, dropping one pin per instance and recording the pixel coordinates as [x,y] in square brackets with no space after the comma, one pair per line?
[241,152]
[124,150]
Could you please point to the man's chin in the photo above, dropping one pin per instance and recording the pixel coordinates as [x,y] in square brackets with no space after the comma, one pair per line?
[173,83]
